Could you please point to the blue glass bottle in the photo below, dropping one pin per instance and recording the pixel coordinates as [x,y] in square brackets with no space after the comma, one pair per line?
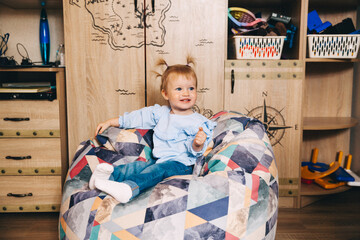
[44,36]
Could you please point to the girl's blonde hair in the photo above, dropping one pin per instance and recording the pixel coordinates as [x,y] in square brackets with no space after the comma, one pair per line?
[176,70]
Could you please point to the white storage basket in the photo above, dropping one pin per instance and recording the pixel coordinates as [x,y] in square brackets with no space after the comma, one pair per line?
[333,46]
[258,47]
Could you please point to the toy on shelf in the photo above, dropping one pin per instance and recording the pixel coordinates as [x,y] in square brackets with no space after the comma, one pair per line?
[318,170]
[328,176]
[356,181]
[341,174]
[314,155]
[330,181]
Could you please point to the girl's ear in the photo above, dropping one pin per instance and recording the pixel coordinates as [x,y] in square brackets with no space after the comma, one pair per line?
[164,94]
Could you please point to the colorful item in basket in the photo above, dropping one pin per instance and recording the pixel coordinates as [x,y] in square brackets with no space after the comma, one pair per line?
[242,17]
[315,25]
[344,27]
[276,17]
[242,20]
[282,26]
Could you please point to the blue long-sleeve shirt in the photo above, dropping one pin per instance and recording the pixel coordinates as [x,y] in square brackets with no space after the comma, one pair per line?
[173,134]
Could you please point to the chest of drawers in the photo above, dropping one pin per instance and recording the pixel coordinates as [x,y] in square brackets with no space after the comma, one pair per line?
[33,140]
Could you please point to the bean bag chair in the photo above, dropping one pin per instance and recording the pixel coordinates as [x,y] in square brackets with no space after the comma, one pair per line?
[232,193]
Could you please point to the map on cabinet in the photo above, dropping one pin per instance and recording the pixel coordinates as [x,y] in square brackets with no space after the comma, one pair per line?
[124,22]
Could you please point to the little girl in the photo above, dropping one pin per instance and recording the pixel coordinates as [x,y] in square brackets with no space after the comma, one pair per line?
[180,136]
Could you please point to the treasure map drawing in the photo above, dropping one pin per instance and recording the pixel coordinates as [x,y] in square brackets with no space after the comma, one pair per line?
[124,22]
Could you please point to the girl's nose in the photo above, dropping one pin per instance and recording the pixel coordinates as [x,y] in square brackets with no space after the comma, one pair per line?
[186,92]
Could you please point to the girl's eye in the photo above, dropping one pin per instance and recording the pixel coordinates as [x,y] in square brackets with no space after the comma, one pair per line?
[191,88]
[178,89]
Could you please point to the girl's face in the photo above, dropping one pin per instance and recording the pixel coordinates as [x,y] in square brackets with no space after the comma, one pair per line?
[181,94]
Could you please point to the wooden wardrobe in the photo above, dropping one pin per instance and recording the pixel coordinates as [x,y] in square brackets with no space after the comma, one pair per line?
[112,48]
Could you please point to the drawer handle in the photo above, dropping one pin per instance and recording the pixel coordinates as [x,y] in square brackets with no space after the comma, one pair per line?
[18,158]
[232,81]
[16,119]
[153,5]
[19,195]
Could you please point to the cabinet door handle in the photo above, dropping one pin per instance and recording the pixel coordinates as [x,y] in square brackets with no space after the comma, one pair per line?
[18,158]
[232,81]
[153,5]
[19,195]
[135,4]
[16,119]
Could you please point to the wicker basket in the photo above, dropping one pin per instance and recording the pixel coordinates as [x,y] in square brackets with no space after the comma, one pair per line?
[333,46]
[258,47]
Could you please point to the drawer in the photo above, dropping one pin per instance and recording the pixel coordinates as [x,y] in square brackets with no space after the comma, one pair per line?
[30,193]
[26,156]
[30,115]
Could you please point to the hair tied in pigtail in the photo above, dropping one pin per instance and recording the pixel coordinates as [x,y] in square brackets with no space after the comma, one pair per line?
[190,60]
[162,62]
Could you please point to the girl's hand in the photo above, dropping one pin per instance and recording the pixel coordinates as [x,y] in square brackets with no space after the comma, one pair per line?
[114,122]
[199,140]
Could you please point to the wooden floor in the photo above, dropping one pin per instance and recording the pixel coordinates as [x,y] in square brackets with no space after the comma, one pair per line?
[334,217]
[37,226]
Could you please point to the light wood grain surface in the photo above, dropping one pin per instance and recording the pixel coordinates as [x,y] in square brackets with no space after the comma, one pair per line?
[199,30]
[44,190]
[278,86]
[102,82]
[39,154]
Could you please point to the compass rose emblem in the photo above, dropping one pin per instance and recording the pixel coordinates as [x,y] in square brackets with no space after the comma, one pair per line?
[273,121]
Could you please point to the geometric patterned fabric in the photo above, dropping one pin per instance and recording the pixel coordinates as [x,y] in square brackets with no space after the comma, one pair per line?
[128,142]
[232,193]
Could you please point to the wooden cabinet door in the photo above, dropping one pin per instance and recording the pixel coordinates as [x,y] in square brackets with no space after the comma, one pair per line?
[112,48]
[271,91]
[177,28]
[105,67]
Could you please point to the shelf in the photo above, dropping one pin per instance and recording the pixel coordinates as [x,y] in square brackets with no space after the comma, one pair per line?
[315,190]
[32,4]
[32,69]
[257,3]
[328,123]
[331,60]
[333,3]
